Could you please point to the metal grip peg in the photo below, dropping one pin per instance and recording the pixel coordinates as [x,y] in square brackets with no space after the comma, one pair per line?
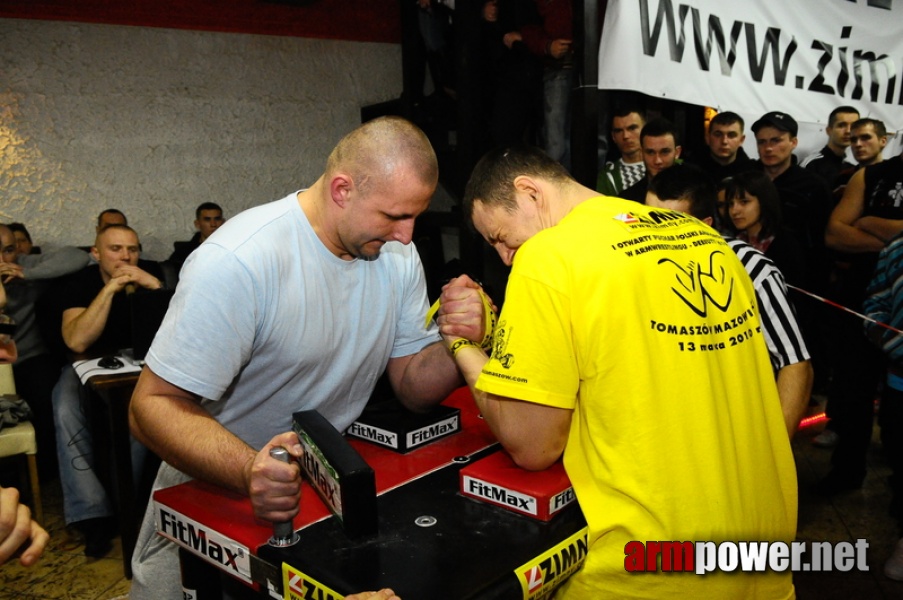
[283,532]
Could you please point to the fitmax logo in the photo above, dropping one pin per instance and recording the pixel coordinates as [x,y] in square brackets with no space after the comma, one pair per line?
[321,477]
[500,495]
[197,539]
[425,434]
[374,434]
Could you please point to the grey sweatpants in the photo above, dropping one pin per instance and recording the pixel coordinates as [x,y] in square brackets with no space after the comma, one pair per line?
[155,563]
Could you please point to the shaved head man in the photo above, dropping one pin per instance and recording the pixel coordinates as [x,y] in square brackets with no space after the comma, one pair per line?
[322,292]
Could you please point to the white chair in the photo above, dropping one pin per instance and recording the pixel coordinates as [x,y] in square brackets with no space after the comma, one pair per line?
[20,440]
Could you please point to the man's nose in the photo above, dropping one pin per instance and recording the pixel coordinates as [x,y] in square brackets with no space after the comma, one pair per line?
[404,231]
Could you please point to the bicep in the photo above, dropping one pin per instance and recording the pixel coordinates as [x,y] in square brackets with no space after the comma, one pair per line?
[156,402]
[67,328]
[70,315]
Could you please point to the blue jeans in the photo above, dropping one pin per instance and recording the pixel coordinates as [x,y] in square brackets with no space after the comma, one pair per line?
[84,497]
[556,111]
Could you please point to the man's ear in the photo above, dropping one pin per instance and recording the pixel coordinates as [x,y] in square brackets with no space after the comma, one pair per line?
[708,221]
[340,188]
[95,254]
[677,151]
[527,185]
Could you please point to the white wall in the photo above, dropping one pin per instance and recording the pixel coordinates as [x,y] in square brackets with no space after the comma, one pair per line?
[156,121]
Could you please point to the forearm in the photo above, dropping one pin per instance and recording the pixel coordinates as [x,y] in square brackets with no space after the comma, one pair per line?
[83,330]
[847,238]
[184,435]
[426,379]
[794,389]
[534,435]
[883,229]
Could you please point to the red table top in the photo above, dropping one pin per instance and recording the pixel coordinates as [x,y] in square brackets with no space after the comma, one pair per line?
[231,514]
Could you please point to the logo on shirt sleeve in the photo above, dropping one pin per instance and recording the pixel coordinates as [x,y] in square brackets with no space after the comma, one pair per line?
[500,345]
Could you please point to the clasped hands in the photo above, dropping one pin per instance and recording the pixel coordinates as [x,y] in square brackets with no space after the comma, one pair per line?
[126,275]
[463,308]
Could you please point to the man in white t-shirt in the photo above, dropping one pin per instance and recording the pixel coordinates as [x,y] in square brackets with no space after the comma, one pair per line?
[297,304]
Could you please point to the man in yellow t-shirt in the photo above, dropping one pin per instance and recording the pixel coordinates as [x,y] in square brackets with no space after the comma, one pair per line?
[630,343]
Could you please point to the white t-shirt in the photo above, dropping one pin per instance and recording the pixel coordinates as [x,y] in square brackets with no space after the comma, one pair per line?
[266,321]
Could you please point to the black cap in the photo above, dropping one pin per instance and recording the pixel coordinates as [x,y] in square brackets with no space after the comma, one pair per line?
[778,120]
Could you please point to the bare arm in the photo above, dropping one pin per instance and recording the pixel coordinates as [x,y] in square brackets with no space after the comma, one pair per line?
[424,379]
[82,326]
[533,434]
[171,422]
[883,229]
[842,232]
[794,389]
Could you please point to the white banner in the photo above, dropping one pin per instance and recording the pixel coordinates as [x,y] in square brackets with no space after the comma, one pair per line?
[802,57]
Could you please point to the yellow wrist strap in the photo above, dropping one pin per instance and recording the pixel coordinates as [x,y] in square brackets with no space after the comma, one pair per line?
[461,343]
[489,317]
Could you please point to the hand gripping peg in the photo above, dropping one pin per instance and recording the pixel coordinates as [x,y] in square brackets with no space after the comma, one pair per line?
[283,532]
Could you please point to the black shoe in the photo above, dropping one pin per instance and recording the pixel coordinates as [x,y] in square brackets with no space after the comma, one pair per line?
[99,534]
[835,483]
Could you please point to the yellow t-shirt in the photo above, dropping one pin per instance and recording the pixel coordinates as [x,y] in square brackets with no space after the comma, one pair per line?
[644,323]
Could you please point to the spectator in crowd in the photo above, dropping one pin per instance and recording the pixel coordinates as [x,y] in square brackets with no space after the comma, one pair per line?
[868,216]
[95,321]
[868,138]
[208,218]
[435,23]
[626,126]
[27,278]
[510,75]
[658,141]
[754,209]
[110,216]
[24,244]
[805,206]
[828,162]
[552,40]
[885,305]
[726,156]
[805,198]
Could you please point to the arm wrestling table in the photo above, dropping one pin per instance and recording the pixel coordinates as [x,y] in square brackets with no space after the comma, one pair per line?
[432,541]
